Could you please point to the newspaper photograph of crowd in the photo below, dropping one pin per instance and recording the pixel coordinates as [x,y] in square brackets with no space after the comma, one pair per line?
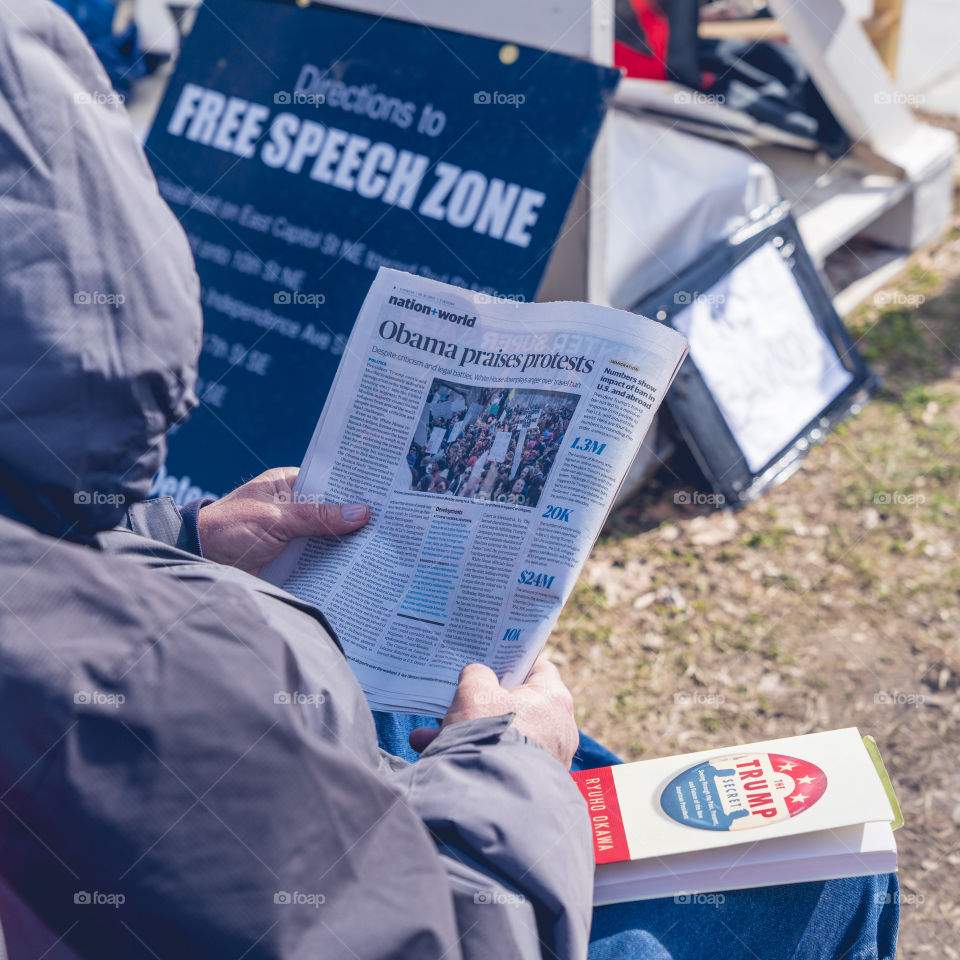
[488,443]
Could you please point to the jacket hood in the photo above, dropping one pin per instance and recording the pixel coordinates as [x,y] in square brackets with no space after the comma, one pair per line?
[99,300]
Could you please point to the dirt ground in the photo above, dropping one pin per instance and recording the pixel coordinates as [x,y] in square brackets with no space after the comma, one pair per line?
[832,601]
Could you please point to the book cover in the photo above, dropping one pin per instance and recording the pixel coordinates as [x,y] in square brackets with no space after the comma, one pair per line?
[719,798]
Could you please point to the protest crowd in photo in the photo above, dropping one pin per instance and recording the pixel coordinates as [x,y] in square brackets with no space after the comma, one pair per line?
[489,444]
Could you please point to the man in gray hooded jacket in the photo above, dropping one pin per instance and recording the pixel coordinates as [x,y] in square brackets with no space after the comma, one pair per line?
[162,792]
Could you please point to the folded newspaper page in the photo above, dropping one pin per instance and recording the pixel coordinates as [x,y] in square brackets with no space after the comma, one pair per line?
[489,439]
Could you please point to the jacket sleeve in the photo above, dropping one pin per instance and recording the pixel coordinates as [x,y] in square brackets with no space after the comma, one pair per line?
[161,519]
[514,835]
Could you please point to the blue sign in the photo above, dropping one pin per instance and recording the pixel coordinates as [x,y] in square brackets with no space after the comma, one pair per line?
[303,148]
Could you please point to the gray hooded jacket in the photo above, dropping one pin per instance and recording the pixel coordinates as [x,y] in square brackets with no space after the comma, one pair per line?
[160,794]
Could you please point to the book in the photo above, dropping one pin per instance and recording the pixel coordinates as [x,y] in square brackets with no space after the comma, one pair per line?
[489,438]
[812,807]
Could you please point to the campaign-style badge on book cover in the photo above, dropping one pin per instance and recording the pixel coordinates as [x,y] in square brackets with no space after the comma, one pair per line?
[742,791]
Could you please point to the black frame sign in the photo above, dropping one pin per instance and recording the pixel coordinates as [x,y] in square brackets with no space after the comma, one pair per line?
[304,147]
[771,366]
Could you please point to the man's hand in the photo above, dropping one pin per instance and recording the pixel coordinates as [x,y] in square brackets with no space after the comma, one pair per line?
[543,706]
[250,526]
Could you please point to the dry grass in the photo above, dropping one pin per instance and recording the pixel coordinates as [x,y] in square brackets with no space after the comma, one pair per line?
[830,602]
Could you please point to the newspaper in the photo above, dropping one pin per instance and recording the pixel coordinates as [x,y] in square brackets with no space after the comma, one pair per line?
[489,439]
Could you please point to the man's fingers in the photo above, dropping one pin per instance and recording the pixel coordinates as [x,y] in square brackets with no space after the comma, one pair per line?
[474,674]
[478,694]
[545,678]
[422,737]
[544,674]
[477,684]
[282,476]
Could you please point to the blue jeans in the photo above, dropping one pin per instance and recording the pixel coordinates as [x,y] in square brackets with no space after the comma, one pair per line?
[852,919]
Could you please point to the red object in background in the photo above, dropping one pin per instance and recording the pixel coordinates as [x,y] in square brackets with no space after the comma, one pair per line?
[657,40]
[655,27]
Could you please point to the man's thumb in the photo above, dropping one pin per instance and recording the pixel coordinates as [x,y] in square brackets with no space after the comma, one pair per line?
[325,519]
[421,737]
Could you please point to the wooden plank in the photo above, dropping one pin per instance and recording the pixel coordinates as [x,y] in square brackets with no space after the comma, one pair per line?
[883,29]
[761,28]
